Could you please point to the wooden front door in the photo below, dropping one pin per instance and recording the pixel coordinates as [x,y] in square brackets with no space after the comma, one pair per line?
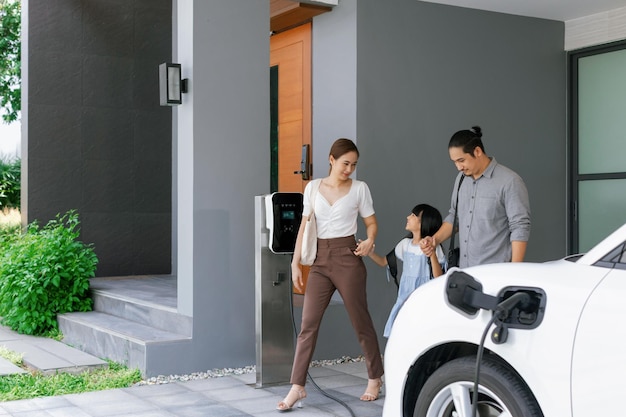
[290,51]
[290,55]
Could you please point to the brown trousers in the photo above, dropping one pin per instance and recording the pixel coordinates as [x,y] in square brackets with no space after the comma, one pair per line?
[336,267]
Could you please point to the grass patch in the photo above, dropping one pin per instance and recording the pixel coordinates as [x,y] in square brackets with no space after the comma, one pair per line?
[33,385]
[10,217]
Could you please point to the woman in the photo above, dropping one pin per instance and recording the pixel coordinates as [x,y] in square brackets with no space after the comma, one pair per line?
[338,266]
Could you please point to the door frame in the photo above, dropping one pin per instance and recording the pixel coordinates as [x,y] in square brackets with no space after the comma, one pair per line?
[574,177]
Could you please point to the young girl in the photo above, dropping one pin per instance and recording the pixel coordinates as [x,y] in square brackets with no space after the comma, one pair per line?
[417,268]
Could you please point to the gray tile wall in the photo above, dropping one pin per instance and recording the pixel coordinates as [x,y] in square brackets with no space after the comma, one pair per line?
[98,141]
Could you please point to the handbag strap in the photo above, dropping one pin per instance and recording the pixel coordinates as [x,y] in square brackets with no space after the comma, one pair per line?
[456,211]
[315,188]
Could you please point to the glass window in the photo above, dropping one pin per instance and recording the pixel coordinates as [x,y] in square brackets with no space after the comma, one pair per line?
[601,121]
[601,210]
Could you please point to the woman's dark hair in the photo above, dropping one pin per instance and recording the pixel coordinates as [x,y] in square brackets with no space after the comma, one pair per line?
[468,140]
[431,219]
[341,147]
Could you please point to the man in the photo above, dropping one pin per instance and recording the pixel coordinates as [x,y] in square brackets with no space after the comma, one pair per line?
[493,206]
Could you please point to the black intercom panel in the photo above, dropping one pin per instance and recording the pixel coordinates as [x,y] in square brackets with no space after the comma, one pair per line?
[283,214]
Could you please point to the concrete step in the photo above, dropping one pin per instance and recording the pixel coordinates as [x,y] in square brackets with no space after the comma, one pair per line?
[119,339]
[140,311]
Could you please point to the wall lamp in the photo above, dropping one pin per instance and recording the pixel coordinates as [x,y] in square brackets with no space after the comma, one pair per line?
[171,84]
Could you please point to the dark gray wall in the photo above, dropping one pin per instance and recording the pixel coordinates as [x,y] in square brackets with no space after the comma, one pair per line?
[97,139]
[424,72]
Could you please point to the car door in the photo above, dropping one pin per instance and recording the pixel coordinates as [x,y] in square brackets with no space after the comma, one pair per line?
[598,363]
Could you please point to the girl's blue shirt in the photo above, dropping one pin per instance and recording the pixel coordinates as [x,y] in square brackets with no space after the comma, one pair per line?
[415,272]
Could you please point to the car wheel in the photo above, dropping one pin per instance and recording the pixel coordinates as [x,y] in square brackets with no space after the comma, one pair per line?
[448,391]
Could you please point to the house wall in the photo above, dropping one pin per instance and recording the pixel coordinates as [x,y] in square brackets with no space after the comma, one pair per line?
[94,136]
[399,76]
[422,72]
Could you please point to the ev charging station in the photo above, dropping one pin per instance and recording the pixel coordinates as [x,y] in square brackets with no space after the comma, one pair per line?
[277,220]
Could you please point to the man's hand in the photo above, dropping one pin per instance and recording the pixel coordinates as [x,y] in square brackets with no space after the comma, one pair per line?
[428,245]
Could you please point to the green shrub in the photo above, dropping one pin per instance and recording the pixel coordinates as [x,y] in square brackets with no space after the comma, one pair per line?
[44,272]
[10,177]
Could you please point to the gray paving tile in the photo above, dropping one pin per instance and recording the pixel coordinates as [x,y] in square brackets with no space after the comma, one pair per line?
[340,380]
[254,406]
[47,357]
[67,412]
[107,396]
[212,410]
[19,406]
[118,408]
[38,413]
[153,413]
[323,371]
[47,403]
[235,394]
[248,379]
[147,391]
[75,356]
[211,383]
[37,356]
[360,409]
[7,334]
[186,399]
[348,367]
[8,368]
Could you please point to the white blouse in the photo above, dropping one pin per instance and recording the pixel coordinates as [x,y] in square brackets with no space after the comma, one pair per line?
[339,219]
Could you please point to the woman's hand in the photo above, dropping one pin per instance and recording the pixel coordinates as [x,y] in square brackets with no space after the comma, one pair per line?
[296,277]
[364,247]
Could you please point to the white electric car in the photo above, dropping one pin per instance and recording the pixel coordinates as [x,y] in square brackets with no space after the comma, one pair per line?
[551,339]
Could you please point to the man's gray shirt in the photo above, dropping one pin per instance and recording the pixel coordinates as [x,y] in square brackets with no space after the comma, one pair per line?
[493,211]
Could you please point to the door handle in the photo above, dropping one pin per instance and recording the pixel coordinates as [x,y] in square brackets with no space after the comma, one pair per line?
[306,168]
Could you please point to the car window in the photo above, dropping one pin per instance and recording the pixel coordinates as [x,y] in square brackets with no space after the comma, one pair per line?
[614,259]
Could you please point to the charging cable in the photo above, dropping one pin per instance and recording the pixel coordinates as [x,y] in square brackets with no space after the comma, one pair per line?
[295,332]
[501,312]
[479,358]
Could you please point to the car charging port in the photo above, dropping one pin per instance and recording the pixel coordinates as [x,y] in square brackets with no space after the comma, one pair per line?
[527,314]
[517,307]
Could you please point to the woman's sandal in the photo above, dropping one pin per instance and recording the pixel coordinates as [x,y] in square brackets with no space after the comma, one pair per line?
[373,390]
[293,398]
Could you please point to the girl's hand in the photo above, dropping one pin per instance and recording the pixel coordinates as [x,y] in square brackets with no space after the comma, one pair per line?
[296,277]
[364,247]
[428,245]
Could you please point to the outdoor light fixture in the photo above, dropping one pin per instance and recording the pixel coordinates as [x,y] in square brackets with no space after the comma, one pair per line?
[171,84]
